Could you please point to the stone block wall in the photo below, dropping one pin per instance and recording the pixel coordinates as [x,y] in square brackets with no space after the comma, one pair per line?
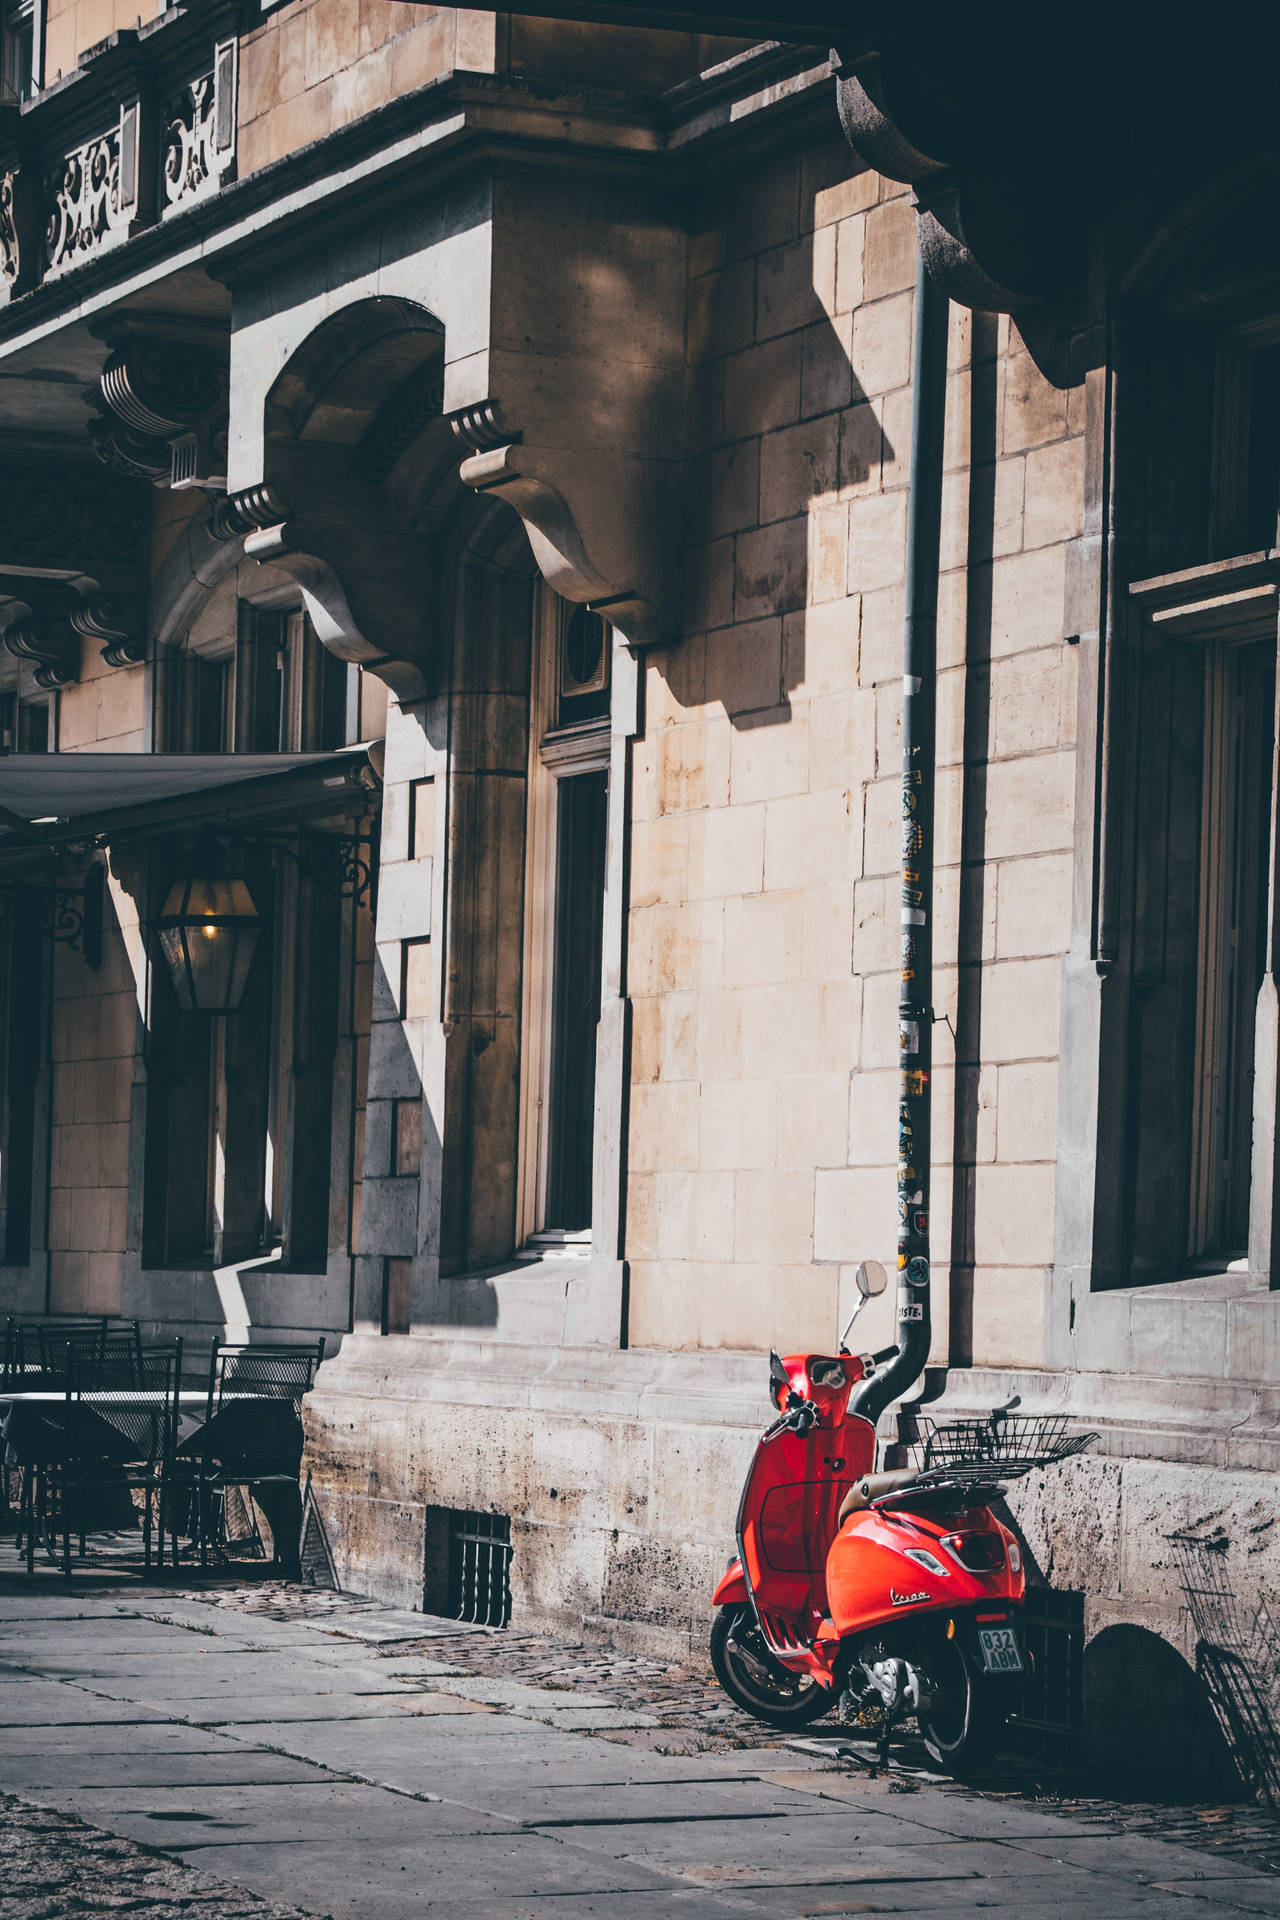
[314,65]
[95,1037]
[764,924]
[105,710]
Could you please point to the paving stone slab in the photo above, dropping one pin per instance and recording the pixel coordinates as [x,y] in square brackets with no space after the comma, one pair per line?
[418,1666]
[175,1665]
[380,1628]
[807,1842]
[21,1772]
[972,1900]
[344,1881]
[589,1719]
[131,1736]
[512,1695]
[667,1905]
[951,1813]
[290,1818]
[1248,1894]
[274,1709]
[635,1801]
[1133,1855]
[48,1703]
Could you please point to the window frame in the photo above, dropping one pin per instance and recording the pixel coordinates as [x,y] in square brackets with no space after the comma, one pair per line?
[556,753]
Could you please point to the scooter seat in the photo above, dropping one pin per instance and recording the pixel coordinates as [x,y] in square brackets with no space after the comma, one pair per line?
[871,1487]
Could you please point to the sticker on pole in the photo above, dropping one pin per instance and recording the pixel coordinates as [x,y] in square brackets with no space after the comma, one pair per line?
[911,1310]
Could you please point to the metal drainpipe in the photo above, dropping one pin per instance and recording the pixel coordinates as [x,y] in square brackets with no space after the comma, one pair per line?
[919,708]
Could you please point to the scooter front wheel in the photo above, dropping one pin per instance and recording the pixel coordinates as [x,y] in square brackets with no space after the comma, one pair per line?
[756,1681]
[962,1722]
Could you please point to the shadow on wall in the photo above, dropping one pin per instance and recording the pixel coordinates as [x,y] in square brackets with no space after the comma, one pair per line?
[781,435]
[1150,1728]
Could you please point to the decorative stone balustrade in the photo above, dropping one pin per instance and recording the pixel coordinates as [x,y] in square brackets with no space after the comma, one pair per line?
[93,196]
[144,129]
[200,138]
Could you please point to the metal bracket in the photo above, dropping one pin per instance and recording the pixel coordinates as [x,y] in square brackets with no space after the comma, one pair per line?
[72,915]
[338,864]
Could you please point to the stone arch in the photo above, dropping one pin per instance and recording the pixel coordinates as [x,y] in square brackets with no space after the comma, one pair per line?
[354,459]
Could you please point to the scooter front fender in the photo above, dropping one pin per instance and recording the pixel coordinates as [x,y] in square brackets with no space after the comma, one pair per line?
[732,1587]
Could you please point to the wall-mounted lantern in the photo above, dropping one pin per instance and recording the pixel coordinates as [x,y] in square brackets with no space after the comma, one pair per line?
[208,934]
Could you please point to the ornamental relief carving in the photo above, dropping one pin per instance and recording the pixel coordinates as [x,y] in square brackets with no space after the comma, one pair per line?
[93,195]
[10,252]
[200,137]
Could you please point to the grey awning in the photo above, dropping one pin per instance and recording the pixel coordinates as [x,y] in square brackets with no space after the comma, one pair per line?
[46,798]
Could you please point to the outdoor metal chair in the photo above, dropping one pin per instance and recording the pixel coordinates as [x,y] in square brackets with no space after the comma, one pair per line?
[119,1429]
[280,1372]
[252,1442]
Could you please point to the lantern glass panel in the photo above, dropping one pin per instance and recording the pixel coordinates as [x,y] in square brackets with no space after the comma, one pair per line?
[208,934]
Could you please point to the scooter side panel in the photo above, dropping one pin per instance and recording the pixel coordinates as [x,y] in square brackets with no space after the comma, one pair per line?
[871,1577]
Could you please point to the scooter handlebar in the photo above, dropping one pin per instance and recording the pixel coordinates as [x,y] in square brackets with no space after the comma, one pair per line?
[796,1420]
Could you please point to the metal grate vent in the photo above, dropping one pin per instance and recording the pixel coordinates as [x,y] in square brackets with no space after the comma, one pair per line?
[468,1566]
[1050,1720]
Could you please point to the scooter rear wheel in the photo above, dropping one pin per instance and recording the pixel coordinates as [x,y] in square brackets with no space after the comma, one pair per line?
[757,1682]
[962,1723]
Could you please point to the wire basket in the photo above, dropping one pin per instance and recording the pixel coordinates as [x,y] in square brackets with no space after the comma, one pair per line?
[1237,1657]
[1000,1447]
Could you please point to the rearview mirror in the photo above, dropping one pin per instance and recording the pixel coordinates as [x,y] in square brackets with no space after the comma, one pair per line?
[870,1279]
[777,1372]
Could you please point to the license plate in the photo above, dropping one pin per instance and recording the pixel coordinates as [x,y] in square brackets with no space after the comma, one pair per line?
[999,1647]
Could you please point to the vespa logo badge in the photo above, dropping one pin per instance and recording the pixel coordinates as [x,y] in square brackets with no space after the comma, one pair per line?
[906,1599]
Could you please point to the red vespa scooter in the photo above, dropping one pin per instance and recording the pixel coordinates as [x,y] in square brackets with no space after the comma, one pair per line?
[901,1588]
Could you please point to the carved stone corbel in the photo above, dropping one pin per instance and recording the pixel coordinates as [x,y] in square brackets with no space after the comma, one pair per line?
[388,586]
[73,553]
[982,233]
[287,546]
[117,623]
[163,407]
[49,640]
[609,548]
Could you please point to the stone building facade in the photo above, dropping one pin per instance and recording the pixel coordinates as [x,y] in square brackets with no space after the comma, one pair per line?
[508,421]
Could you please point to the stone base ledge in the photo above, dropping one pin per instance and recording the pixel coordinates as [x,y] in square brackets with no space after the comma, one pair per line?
[1198,1422]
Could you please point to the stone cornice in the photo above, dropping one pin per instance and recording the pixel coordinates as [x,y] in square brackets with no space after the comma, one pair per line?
[459,121]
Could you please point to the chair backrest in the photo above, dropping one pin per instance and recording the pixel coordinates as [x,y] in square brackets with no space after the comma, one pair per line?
[267,1372]
[76,1352]
[136,1391]
[66,1347]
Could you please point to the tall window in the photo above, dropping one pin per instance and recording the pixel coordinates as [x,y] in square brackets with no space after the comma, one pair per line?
[17,50]
[24,724]
[290,691]
[270,687]
[1239,696]
[568,813]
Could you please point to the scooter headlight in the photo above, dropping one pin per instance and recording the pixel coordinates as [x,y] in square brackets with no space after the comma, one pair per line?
[1015,1557]
[924,1558]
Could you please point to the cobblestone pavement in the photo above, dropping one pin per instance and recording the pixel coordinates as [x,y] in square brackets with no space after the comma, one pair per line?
[265,1752]
[54,1867]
